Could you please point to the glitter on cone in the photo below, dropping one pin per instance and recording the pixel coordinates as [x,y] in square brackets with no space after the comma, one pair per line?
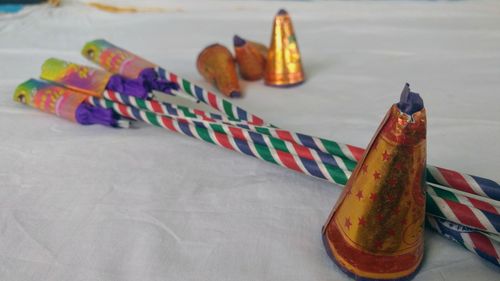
[284,66]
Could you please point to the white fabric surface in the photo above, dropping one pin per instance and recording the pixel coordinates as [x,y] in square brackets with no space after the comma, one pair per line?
[93,203]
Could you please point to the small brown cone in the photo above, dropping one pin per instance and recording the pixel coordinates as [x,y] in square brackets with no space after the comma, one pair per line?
[284,66]
[216,64]
[251,58]
[375,231]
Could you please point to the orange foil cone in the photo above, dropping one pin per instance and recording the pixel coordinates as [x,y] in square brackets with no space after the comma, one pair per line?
[284,66]
[375,231]
[251,58]
[216,64]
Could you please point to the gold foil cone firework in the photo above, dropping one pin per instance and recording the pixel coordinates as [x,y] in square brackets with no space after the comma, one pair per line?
[375,231]
[216,64]
[251,58]
[284,66]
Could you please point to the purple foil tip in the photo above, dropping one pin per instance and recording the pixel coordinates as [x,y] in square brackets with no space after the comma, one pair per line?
[149,74]
[87,114]
[238,41]
[235,94]
[410,102]
[282,12]
[154,82]
[127,86]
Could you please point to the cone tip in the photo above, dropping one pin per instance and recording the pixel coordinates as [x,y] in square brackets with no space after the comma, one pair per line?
[238,41]
[282,12]
[285,85]
[235,94]
[410,102]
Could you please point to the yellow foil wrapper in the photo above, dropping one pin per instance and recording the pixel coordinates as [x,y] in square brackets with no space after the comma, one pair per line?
[284,66]
[216,64]
[375,230]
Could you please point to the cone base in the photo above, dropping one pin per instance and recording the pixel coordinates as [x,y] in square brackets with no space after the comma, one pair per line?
[284,85]
[356,277]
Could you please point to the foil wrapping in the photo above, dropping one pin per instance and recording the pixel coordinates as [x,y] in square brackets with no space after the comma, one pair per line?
[251,58]
[216,64]
[284,64]
[375,230]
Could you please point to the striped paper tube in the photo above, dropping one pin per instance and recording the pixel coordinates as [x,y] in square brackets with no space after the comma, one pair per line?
[251,136]
[456,180]
[461,213]
[209,98]
[466,183]
[454,210]
[461,209]
[286,159]
[471,239]
[490,207]
[275,157]
[321,145]
[169,109]
[307,162]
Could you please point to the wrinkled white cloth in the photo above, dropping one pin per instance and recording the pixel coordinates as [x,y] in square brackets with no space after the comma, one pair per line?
[94,203]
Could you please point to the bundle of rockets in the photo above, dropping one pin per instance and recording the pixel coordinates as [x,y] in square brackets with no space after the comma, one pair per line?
[375,231]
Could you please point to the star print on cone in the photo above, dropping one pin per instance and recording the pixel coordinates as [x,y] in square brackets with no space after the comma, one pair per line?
[375,230]
[284,66]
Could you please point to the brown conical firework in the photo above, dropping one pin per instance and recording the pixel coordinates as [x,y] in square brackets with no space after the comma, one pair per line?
[216,64]
[251,58]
